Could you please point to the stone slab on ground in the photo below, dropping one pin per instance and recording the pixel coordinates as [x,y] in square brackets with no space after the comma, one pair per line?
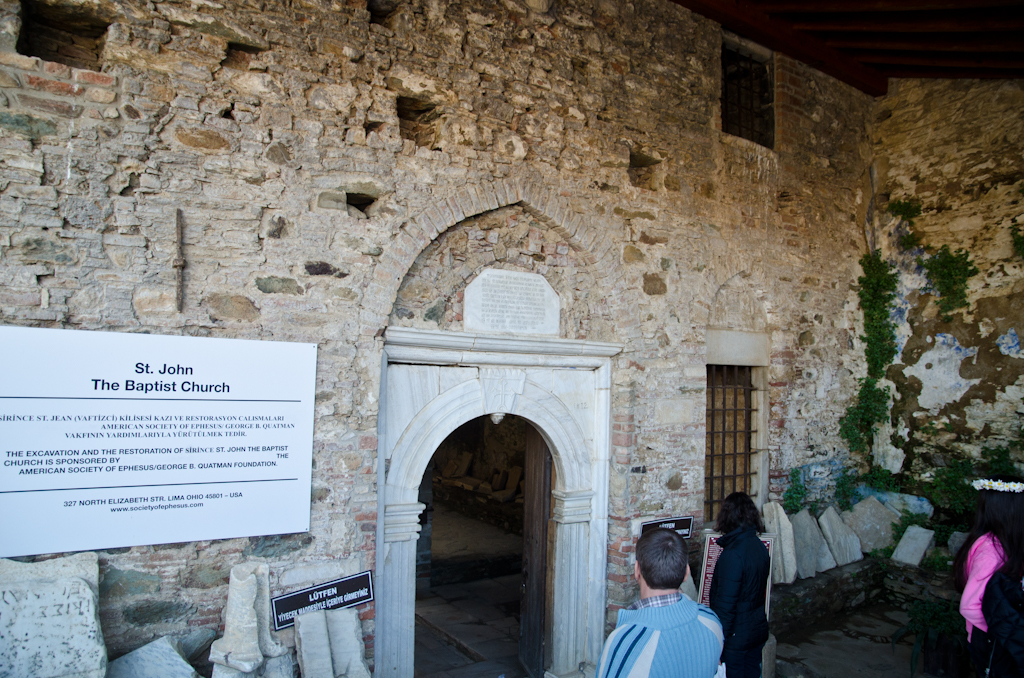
[346,638]
[784,570]
[915,543]
[196,642]
[160,659]
[806,534]
[51,629]
[872,521]
[313,645]
[221,671]
[768,657]
[842,541]
[825,560]
[812,554]
[82,565]
[898,501]
[279,667]
[956,541]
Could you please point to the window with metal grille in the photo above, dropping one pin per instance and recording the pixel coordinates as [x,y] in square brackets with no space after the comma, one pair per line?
[748,96]
[730,427]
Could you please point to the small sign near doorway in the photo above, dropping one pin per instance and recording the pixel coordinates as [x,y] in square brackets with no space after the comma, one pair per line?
[345,592]
[681,524]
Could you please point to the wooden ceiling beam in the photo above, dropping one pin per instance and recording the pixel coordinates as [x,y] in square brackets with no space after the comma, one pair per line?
[936,42]
[830,6]
[940,61]
[744,18]
[926,23]
[950,73]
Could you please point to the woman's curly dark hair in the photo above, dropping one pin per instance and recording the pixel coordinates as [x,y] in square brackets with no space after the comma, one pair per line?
[738,510]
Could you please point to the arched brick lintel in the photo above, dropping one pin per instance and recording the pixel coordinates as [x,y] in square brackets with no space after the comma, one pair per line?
[546,204]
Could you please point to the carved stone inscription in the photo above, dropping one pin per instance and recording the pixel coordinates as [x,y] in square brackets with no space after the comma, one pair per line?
[50,629]
[510,301]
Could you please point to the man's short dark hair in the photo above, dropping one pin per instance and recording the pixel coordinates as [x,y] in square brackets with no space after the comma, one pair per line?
[662,555]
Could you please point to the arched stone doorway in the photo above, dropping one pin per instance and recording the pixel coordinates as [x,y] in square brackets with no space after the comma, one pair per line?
[432,383]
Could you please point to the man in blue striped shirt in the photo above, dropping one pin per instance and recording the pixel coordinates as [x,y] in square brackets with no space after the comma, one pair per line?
[664,634]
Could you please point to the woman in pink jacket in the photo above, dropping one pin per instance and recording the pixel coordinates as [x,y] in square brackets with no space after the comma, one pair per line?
[996,543]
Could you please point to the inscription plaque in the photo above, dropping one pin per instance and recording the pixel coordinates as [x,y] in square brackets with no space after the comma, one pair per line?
[50,629]
[511,302]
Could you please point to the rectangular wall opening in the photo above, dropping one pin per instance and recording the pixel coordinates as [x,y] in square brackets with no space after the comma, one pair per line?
[68,34]
[731,420]
[748,95]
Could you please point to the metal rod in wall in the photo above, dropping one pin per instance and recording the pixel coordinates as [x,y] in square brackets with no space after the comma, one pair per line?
[179,260]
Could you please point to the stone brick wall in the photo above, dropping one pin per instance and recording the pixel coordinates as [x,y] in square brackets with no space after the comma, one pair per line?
[583,142]
[957,147]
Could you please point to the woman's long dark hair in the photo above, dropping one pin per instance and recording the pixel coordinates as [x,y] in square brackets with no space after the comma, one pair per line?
[738,510]
[1002,514]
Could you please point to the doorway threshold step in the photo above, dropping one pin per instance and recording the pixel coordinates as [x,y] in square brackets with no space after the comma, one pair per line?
[451,639]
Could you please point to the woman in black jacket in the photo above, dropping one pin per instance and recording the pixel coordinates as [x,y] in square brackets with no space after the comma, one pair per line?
[1003,606]
[739,584]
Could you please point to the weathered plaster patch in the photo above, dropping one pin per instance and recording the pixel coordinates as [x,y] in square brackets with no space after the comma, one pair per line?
[887,455]
[1009,344]
[939,373]
[1003,417]
[911,281]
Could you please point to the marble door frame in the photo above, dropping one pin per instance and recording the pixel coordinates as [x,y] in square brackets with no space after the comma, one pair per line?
[460,377]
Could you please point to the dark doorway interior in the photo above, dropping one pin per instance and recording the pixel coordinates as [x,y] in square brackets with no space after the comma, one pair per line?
[480,602]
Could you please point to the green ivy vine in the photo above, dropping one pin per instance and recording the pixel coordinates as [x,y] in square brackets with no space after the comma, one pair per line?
[793,498]
[1015,233]
[877,291]
[906,210]
[1018,238]
[948,273]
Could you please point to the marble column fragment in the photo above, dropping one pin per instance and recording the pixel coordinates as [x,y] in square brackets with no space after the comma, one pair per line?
[247,639]
[239,648]
[269,646]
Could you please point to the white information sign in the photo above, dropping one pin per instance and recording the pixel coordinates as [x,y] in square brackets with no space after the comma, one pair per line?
[511,302]
[111,440]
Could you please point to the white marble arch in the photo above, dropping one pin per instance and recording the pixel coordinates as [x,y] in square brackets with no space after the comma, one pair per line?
[487,375]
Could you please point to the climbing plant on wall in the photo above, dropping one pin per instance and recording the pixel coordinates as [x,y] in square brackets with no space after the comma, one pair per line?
[1018,238]
[1015,233]
[906,210]
[948,273]
[871,407]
